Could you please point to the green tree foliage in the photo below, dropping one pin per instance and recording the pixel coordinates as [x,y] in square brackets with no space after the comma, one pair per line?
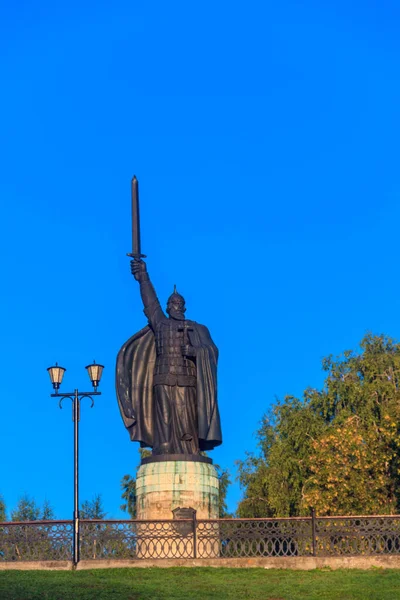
[47,511]
[128,487]
[3,511]
[337,449]
[27,509]
[93,509]
[224,482]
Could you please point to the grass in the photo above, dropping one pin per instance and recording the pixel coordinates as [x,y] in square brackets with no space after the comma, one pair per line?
[200,584]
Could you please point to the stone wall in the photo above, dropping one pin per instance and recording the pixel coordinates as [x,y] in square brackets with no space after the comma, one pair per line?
[296,563]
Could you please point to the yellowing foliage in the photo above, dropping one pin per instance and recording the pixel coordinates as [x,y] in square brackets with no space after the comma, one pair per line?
[350,470]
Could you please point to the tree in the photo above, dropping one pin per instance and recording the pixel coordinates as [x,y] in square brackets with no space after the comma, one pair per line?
[337,448]
[36,540]
[273,480]
[3,512]
[47,511]
[350,469]
[93,509]
[28,510]
[128,487]
[224,483]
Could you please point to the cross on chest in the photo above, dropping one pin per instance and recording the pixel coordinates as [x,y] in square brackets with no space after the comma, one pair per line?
[185,328]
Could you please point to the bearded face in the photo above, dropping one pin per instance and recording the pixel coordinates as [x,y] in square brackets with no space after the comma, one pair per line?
[176,310]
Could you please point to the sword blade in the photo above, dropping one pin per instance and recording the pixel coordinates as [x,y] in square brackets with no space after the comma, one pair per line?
[136,247]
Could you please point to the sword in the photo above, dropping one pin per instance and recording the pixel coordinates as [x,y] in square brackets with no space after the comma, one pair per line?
[136,251]
[186,328]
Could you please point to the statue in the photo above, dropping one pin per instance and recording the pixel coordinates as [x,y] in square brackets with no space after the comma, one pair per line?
[167,373]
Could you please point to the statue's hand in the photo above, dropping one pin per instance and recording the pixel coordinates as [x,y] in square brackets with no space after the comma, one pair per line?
[189,351]
[138,269]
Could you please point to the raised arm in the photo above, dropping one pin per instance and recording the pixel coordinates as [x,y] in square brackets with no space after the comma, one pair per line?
[152,308]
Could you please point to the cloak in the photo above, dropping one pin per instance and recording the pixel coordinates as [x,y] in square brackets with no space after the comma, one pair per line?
[134,385]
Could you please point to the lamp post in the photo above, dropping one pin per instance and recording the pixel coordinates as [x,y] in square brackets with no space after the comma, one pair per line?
[56,376]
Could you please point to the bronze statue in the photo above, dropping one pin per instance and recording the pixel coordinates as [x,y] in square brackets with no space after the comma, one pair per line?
[167,374]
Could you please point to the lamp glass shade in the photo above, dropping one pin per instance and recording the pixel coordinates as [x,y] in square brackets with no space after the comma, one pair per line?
[56,375]
[95,371]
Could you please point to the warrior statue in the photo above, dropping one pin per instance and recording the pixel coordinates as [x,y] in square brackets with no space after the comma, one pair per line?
[167,375]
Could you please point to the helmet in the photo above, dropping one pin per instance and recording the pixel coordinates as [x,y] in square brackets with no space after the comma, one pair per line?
[176,298]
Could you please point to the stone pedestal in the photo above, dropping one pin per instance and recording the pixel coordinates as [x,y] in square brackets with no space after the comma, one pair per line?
[164,485]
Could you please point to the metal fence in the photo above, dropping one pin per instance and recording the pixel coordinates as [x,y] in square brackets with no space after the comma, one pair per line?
[36,540]
[196,538]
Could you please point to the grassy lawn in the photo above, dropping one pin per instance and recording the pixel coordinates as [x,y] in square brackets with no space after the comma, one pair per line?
[199,584]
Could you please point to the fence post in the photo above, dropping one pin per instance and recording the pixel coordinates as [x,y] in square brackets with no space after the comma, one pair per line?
[314,532]
[194,534]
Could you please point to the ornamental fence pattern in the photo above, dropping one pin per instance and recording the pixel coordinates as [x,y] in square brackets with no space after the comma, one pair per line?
[36,540]
[196,538]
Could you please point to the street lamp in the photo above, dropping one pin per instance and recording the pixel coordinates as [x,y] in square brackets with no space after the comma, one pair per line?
[95,372]
[56,374]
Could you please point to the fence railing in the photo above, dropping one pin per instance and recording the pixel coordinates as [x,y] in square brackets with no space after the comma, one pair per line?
[198,538]
[36,540]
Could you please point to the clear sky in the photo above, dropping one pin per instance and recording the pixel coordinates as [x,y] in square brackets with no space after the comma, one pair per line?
[265,136]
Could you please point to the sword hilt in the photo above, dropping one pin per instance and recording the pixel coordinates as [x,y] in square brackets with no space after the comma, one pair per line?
[185,329]
[137,256]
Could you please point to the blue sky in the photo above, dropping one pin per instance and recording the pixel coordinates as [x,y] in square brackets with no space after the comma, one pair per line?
[265,136]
